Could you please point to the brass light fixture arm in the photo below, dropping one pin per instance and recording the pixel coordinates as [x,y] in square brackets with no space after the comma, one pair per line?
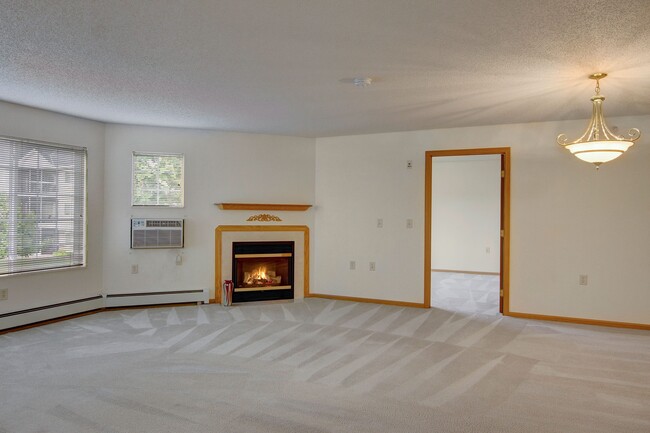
[597,129]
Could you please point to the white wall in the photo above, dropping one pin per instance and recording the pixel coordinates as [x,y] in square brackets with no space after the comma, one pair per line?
[50,287]
[566,218]
[466,213]
[219,167]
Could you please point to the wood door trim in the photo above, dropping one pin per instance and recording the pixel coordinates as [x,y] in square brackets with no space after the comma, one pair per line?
[505,216]
[580,321]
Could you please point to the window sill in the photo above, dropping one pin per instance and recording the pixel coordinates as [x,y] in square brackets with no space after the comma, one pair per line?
[40,271]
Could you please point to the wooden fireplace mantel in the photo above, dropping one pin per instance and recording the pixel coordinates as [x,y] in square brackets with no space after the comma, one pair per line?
[263,206]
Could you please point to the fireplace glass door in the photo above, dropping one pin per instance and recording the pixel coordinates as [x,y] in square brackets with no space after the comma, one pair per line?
[262,271]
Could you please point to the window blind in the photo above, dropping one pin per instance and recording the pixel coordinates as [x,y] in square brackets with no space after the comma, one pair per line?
[157,179]
[42,205]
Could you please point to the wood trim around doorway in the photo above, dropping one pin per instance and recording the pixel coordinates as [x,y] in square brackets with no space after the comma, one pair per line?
[505,217]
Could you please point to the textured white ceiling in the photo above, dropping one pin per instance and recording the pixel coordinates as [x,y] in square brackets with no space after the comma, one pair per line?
[284,66]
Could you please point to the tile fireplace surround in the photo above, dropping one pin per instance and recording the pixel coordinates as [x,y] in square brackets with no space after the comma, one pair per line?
[225,235]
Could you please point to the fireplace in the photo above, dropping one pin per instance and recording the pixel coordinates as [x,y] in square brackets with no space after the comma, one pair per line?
[262,271]
[226,235]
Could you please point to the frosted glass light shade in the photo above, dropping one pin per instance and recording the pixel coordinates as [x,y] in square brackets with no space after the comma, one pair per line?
[598,152]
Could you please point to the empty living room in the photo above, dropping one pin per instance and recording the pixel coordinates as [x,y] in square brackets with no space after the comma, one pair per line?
[356,216]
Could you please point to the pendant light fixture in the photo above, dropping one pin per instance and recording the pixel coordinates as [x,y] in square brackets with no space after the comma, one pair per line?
[599,144]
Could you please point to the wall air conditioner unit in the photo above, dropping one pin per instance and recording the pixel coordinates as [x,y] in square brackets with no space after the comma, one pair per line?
[156,233]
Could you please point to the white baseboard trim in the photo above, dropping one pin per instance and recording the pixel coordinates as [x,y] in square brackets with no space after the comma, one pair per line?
[49,312]
[99,302]
[156,298]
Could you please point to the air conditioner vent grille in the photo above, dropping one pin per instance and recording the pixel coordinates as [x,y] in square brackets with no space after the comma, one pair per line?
[157,233]
[164,223]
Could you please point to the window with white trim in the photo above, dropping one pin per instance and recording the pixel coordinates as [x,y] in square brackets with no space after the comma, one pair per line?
[157,179]
[42,205]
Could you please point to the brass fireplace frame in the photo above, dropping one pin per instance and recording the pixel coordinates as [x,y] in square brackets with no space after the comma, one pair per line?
[251,228]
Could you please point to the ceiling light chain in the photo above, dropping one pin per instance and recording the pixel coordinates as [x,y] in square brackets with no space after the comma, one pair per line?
[599,144]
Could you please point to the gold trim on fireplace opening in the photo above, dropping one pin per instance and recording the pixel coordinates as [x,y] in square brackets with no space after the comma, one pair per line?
[261,288]
[260,256]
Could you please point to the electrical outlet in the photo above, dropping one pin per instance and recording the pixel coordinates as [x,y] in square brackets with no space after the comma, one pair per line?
[134,269]
[409,164]
[372,266]
[409,223]
[583,280]
[353,265]
[380,223]
[4,294]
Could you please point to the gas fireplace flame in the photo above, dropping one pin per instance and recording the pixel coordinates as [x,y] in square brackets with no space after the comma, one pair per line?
[261,277]
[260,274]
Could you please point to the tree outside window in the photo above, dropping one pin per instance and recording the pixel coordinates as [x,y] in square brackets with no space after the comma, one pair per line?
[157,179]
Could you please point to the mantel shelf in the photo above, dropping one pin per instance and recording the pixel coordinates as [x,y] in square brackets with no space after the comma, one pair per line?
[263,206]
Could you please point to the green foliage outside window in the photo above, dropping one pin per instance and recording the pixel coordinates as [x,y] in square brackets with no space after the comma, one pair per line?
[27,233]
[27,242]
[157,180]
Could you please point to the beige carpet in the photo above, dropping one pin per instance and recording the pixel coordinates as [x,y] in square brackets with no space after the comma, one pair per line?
[321,366]
[467,293]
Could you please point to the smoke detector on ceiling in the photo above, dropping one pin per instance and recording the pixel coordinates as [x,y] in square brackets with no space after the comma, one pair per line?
[361,81]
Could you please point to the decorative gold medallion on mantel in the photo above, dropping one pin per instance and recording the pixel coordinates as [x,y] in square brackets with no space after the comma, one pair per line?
[263,206]
[264,217]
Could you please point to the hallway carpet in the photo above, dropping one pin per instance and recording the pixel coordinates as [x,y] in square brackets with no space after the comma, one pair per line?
[466,293]
[321,366]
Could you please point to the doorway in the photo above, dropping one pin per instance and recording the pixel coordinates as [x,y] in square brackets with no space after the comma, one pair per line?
[483,264]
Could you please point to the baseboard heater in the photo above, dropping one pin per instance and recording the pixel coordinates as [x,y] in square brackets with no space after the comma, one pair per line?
[156,298]
[49,312]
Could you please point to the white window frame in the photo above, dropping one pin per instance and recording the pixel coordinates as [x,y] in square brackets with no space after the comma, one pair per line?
[181,185]
[41,261]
